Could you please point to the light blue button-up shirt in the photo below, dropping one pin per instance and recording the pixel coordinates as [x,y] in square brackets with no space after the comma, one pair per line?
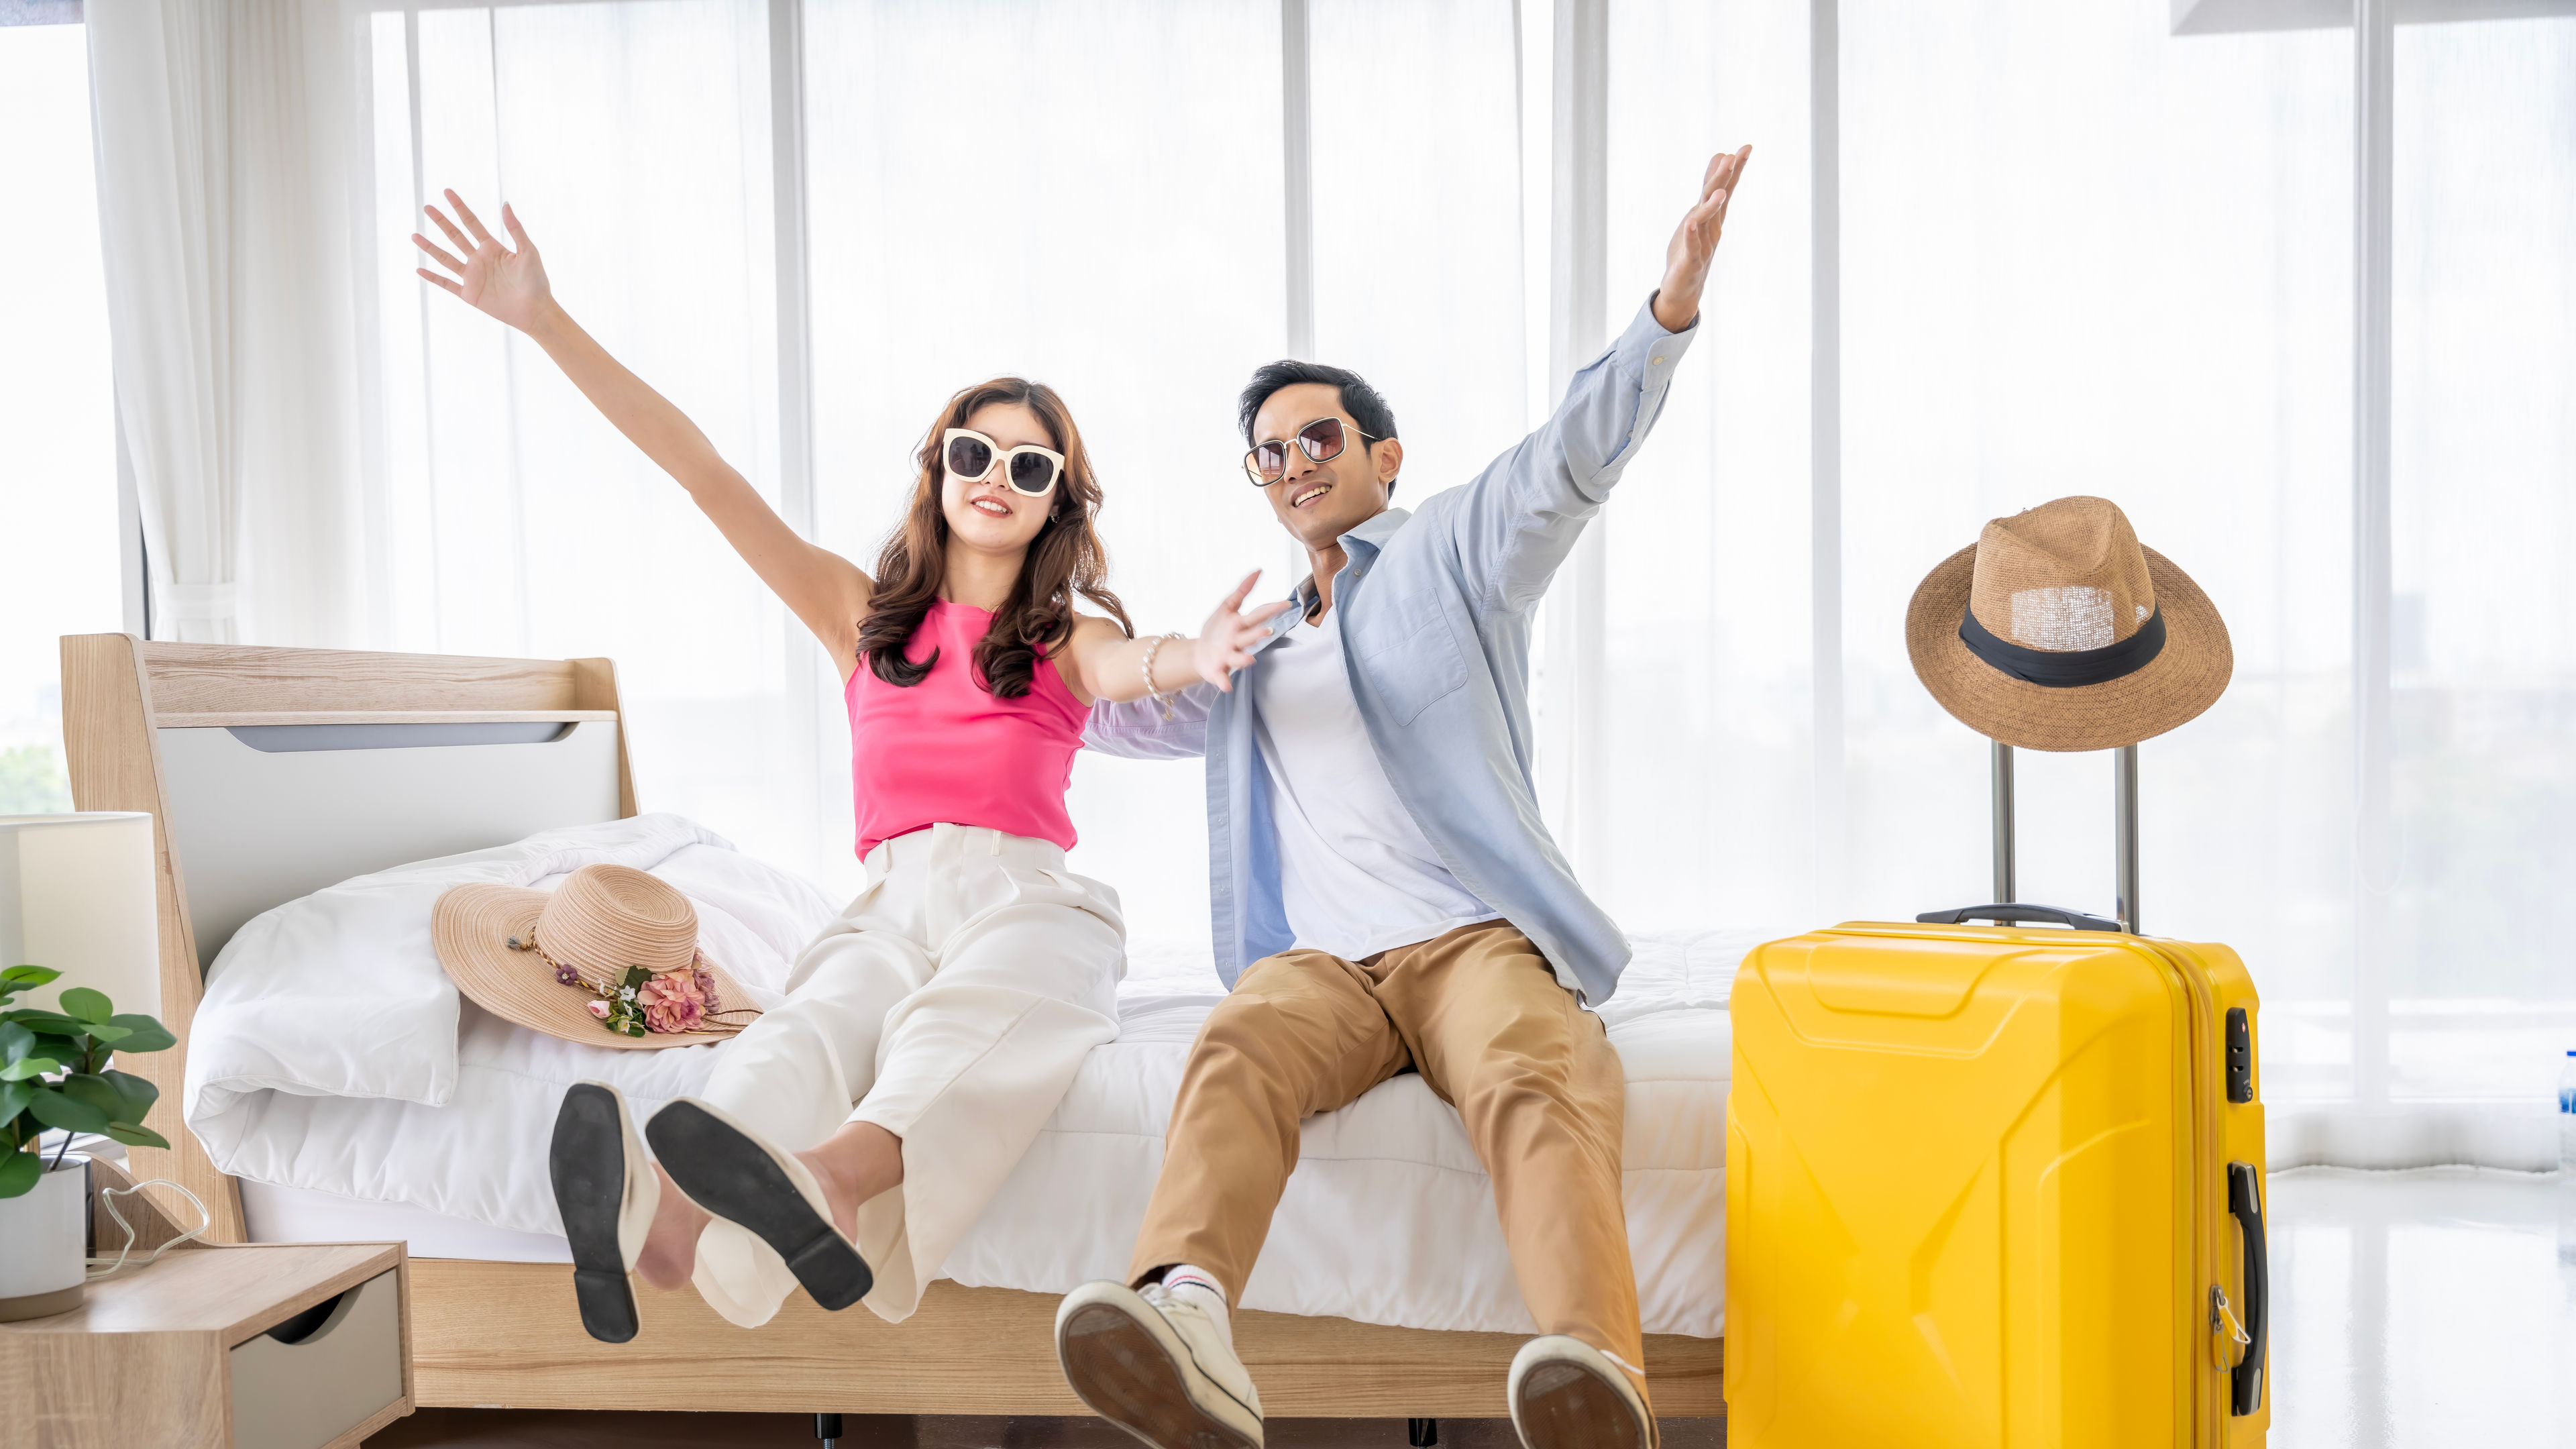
[1434,610]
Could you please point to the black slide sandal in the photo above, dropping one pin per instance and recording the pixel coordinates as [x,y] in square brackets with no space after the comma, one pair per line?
[588,1163]
[732,1174]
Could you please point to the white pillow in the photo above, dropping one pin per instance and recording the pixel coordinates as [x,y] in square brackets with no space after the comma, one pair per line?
[339,994]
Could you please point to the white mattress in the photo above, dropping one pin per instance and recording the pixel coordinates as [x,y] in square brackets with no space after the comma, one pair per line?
[1388,1219]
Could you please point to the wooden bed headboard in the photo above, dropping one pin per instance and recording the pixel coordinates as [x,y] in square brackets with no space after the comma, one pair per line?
[274,772]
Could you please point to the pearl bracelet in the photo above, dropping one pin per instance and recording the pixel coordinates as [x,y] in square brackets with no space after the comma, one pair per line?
[1152,647]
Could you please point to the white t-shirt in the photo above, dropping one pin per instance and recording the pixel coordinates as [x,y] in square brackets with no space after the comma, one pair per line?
[1355,871]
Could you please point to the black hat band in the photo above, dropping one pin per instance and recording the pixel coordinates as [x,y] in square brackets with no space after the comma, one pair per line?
[2071,668]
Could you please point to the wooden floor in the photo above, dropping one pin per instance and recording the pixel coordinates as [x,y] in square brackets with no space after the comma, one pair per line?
[578,1429]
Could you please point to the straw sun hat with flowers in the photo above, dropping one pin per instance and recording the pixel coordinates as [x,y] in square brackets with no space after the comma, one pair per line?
[610,958]
[2058,630]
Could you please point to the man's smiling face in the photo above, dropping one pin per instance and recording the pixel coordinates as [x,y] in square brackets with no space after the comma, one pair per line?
[1319,502]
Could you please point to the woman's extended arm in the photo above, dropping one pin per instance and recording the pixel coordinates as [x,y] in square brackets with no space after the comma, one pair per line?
[824,589]
[1101,662]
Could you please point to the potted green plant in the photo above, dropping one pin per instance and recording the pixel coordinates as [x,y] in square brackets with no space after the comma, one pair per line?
[54,1074]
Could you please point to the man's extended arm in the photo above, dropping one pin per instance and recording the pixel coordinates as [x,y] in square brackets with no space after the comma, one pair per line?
[1136,728]
[1519,519]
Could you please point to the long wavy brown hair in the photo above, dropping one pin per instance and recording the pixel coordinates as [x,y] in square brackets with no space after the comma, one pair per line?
[1064,559]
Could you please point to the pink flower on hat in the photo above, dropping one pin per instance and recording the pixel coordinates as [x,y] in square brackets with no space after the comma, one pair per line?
[673,1002]
[599,1009]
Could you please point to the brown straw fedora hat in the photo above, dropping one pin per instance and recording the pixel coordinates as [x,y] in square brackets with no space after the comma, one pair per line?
[2060,631]
[609,959]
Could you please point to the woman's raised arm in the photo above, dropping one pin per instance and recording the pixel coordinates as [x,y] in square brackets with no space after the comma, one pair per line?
[824,589]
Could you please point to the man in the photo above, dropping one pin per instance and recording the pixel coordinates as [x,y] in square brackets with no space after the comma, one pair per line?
[1385,897]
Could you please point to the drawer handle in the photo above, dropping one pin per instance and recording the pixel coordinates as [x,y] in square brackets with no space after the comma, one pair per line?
[315,1321]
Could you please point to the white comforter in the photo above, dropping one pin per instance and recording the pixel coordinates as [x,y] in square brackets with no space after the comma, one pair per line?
[331,1053]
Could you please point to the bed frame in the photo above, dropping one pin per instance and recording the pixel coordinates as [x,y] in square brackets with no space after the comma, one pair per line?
[507,1334]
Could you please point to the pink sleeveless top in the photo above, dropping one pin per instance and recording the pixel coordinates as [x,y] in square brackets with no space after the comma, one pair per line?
[949,751]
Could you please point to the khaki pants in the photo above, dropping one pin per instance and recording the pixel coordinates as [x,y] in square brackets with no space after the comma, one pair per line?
[1480,1015]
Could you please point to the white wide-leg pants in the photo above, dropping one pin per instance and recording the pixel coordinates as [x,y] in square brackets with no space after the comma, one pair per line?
[951,1004]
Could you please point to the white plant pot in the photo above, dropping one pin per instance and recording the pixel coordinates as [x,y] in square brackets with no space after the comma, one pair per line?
[47,1230]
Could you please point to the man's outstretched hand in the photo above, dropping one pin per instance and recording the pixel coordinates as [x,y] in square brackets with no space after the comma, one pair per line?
[1694,242]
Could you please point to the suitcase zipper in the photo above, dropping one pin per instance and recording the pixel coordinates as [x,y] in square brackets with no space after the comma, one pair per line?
[2209,1210]
[2222,1320]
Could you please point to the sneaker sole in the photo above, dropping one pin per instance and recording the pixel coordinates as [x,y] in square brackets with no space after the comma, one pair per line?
[1567,1406]
[1128,1378]
[587,1163]
[726,1172]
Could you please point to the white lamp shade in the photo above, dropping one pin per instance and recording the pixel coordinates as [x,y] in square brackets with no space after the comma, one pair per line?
[76,895]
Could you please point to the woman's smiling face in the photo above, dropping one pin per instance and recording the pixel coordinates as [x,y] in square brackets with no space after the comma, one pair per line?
[989,514]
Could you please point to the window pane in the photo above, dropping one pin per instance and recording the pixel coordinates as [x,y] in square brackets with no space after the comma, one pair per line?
[2083,255]
[61,569]
[1708,736]
[2483,649]
[1418,225]
[1089,196]
[632,139]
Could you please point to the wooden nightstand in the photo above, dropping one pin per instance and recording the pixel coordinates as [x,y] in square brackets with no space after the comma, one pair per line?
[194,1352]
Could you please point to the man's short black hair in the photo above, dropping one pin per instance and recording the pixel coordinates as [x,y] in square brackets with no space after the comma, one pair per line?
[1358,398]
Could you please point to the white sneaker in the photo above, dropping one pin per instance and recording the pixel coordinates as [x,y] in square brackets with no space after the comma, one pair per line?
[1153,1365]
[1566,1394]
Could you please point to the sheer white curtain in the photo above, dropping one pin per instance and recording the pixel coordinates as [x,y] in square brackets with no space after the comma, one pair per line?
[1094,196]
[2080,253]
[220,135]
[2482,985]
[2124,270]
[1090,196]
[2077,253]
[1707,724]
[1418,201]
[633,141]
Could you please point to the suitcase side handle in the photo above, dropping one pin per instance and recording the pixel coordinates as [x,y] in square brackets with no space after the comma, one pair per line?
[2008,915]
[2245,1200]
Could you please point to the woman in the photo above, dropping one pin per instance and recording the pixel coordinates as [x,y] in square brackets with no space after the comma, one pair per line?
[931,1029]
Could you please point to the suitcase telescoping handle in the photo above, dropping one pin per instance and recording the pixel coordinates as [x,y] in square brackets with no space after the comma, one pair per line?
[2013,915]
[2124,802]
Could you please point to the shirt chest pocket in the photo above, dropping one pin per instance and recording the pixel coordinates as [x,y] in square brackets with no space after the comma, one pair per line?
[1408,653]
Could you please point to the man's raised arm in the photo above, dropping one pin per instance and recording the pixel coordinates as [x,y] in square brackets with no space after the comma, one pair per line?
[1519,519]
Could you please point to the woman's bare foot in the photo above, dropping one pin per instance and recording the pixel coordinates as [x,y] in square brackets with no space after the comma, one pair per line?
[670,1252]
[854,1165]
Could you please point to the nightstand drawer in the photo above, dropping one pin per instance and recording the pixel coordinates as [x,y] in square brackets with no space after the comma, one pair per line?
[305,1394]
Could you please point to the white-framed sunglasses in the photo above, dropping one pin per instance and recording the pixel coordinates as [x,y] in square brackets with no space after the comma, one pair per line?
[1028,468]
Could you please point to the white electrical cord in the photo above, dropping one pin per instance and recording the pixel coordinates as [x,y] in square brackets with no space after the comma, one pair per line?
[107,1198]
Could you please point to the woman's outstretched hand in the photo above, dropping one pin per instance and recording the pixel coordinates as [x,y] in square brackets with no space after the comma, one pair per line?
[509,285]
[1225,644]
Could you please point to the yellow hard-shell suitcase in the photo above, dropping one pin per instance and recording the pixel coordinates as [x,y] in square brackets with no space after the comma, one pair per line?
[1996,1185]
